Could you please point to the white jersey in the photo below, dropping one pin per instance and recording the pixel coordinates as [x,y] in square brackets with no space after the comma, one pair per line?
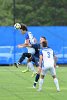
[31,38]
[29,35]
[48,59]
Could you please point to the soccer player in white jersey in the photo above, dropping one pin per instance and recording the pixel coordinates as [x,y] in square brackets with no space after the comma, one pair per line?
[46,63]
[29,39]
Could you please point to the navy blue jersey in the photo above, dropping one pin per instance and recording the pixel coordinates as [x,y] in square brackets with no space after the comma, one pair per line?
[37,48]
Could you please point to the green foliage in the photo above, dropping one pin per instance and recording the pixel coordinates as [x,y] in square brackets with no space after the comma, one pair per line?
[6,17]
[33,12]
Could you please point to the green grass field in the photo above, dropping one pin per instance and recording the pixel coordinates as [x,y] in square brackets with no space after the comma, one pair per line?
[15,85]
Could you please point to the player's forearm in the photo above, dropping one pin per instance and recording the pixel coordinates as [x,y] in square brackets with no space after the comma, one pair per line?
[24,45]
[40,62]
[20,46]
[27,45]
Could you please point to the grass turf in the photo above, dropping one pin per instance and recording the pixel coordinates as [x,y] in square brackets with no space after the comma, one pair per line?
[15,85]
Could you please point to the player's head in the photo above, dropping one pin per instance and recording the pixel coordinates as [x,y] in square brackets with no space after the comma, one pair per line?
[23,28]
[44,44]
[42,39]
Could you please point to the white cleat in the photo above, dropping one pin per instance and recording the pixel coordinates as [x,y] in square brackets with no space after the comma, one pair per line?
[34,86]
[58,90]
[39,90]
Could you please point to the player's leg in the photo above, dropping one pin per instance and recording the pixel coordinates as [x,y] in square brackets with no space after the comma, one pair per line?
[26,70]
[41,82]
[31,51]
[30,66]
[43,73]
[53,73]
[36,79]
[36,60]
[28,55]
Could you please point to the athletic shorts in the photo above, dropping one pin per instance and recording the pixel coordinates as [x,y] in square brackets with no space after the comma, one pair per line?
[49,69]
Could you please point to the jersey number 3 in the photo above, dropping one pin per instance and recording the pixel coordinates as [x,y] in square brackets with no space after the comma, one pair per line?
[48,53]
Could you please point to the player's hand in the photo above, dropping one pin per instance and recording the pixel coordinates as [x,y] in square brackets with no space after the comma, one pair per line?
[20,46]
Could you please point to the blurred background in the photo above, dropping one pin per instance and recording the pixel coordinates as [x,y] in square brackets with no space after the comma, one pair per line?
[33,12]
[43,17]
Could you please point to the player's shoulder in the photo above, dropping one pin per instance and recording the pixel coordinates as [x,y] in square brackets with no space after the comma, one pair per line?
[28,32]
[26,35]
[50,49]
[47,49]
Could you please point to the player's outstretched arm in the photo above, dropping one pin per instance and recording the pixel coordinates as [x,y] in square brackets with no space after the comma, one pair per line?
[23,45]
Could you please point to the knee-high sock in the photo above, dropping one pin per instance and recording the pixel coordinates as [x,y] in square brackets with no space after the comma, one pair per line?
[56,83]
[30,66]
[36,79]
[41,83]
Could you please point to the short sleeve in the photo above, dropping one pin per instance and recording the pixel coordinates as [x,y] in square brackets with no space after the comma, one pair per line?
[40,53]
[26,36]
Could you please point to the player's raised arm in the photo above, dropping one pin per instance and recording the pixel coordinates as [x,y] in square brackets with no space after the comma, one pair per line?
[24,45]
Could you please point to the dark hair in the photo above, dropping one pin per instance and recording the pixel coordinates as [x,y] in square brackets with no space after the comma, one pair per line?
[43,37]
[44,44]
[24,27]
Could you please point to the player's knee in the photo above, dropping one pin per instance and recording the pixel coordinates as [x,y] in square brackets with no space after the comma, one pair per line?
[23,55]
[29,59]
[29,54]
[54,76]
[42,76]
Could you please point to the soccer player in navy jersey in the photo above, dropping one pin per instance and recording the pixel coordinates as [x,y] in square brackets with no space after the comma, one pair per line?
[42,39]
[35,58]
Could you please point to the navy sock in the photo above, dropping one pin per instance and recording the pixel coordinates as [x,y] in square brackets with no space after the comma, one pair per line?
[36,79]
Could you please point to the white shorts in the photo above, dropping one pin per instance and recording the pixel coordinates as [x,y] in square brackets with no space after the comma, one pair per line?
[50,69]
[31,50]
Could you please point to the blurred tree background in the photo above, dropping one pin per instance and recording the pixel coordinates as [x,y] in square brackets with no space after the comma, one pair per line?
[33,12]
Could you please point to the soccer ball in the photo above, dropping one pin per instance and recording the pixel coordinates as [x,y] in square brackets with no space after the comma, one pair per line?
[17,26]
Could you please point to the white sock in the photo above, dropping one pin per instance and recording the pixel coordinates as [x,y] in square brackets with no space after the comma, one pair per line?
[56,83]
[41,83]
[27,67]
[30,66]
